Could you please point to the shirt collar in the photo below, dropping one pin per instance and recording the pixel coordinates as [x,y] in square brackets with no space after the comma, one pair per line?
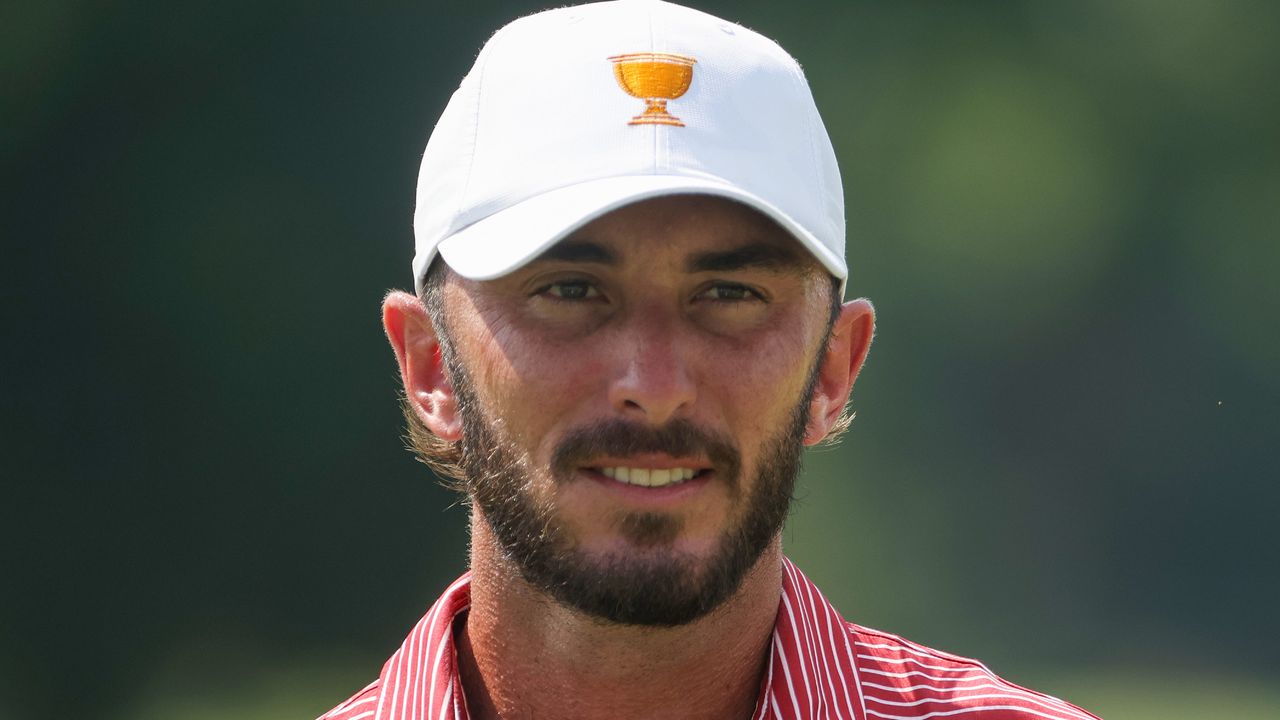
[811,673]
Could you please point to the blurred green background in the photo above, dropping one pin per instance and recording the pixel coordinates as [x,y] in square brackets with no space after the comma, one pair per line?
[1065,456]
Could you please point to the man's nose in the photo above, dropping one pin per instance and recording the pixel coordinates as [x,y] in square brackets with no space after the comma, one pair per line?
[654,382]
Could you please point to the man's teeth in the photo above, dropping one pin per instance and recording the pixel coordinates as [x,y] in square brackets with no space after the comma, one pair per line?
[649,477]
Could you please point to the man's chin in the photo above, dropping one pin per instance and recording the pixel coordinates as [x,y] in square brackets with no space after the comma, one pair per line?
[655,586]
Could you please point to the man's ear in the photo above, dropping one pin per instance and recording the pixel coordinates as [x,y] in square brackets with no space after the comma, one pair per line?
[426,382]
[846,350]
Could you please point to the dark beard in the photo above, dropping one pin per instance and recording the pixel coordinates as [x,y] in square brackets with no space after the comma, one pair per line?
[653,585]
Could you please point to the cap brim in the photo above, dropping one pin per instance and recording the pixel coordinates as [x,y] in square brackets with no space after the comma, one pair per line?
[506,240]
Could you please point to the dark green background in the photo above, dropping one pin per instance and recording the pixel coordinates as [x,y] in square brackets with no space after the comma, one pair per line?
[1065,455]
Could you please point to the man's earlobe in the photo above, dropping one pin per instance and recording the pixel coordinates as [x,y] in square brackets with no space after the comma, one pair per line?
[846,351]
[422,370]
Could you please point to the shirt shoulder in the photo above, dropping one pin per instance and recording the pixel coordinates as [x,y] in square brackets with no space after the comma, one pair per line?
[902,680]
[359,706]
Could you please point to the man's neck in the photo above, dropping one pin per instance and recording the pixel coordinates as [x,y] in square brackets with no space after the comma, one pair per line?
[523,655]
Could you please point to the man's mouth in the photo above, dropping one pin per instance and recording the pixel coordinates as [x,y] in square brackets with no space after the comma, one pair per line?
[650,477]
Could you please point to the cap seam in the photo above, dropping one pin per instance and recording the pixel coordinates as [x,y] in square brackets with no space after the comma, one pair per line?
[815,165]
[657,129]
[486,52]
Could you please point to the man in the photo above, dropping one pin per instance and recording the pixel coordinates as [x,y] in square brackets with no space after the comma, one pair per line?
[628,323]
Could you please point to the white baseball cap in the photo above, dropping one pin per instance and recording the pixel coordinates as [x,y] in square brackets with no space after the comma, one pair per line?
[572,113]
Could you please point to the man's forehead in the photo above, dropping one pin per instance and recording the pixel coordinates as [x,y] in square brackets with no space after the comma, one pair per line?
[702,233]
[749,255]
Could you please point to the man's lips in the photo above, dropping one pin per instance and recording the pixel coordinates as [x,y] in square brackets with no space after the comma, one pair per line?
[648,464]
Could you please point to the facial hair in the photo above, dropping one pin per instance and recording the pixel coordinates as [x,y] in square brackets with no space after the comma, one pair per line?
[652,584]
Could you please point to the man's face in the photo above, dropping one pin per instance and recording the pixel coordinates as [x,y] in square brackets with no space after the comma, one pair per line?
[634,403]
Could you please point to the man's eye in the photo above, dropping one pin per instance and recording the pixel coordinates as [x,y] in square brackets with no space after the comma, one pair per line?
[729,292]
[572,290]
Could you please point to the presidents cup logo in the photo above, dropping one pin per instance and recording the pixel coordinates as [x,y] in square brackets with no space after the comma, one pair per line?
[654,78]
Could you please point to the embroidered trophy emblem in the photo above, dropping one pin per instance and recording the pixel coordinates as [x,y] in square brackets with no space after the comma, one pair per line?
[654,78]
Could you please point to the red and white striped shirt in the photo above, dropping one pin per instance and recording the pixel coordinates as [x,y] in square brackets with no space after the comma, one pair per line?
[820,668]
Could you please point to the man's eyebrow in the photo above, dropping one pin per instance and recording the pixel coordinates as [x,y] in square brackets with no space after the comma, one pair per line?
[769,256]
[579,251]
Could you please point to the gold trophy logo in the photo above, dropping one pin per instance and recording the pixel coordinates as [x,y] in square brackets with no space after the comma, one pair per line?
[654,78]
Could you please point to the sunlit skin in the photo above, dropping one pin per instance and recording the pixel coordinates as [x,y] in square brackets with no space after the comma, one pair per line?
[683,307]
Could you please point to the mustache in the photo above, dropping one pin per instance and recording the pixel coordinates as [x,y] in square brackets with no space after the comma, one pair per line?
[619,438]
